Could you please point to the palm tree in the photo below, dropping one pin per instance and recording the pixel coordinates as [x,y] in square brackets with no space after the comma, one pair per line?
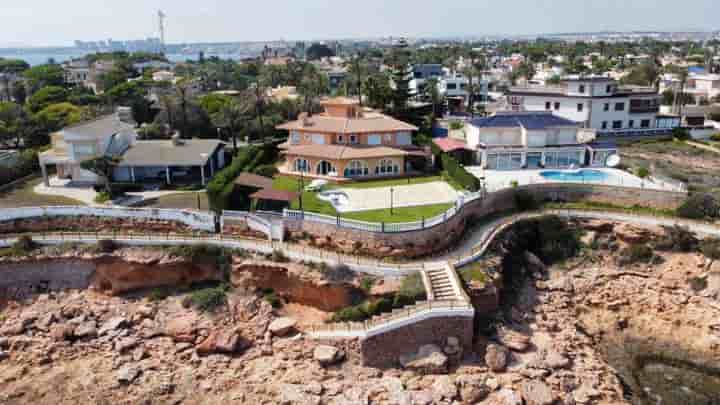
[232,116]
[357,68]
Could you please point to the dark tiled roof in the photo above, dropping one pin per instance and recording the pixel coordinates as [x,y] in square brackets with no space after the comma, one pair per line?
[539,120]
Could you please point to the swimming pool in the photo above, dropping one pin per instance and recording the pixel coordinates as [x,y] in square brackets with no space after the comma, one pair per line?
[576,176]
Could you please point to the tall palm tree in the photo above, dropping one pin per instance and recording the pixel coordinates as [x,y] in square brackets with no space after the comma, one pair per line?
[232,116]
[358,70]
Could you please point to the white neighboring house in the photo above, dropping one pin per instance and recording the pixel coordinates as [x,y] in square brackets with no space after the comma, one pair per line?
[534,140]
[596,102]
[450,84]
[164,76]
[186,161]
[89,140]
[703,86]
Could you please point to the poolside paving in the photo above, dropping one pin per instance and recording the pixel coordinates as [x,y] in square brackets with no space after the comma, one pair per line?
[366,199]
[496,180]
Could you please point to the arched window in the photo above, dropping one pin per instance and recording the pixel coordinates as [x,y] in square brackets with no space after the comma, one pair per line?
[325,168]
[302,166]
[356,168]
[386,166]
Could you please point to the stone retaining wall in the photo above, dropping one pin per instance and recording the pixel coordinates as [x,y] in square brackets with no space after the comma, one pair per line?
[92,224]
[384,350]
[425,242]
[22,279]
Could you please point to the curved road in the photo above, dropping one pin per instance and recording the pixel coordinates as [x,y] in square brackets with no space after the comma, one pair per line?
[470,248]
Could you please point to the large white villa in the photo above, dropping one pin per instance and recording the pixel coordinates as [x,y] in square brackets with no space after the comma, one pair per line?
[529,140]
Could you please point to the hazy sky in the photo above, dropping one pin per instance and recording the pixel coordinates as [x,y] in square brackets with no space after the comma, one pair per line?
[59,22]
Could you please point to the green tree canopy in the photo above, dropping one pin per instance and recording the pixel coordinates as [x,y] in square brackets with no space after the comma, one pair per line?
[57,116]
[213,103]
[13,66]
[14,123]
[44,75]
[46,96]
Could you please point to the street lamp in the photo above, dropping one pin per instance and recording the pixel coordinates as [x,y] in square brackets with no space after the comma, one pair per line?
[392,190]
[302,188]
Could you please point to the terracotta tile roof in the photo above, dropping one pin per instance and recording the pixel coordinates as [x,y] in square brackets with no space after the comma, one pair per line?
[253,180]
[275,195]
[337,152]
[368,123]
[449,144]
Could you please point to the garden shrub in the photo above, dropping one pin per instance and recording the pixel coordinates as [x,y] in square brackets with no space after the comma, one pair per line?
[710,247]
[412,289]
[208,299]
[268,170]
[106,246]
[679,239]
[459,174]
[24,244]
[700,206]
[526,201]
[636,253]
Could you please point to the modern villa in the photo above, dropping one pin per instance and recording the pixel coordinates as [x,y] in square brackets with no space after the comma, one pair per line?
[530,140]
[348,141]
[596,102]
[185,161]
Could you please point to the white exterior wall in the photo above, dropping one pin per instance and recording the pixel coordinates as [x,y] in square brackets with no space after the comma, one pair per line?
[196,220]
[501,136]
[593,110]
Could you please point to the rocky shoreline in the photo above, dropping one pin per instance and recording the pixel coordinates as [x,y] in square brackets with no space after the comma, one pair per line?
[588,330]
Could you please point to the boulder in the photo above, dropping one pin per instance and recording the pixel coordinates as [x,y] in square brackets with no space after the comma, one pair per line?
[631,234]
[430,359]
[504,397]
[292,394]
[327,355]
[444,388]
[113,324]
[12,329]
[221,341]
[513,340]
[125,344]
[282,326]
[127,374]
[61,332]
[496,357]
[472,388]
[183,328]
[554,360]
[86,330]
[536,393]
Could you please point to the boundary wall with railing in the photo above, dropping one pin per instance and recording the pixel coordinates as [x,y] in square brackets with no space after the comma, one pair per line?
[197,220]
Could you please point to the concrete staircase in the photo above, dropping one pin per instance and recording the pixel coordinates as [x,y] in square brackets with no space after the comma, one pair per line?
[442,284]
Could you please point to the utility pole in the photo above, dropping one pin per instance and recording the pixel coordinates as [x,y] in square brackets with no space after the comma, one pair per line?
[161,23]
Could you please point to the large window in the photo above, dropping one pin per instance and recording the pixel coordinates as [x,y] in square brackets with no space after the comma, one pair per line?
[374,140]
[301,165]
[619,106]
[295,138]
[534,160]
[580,107]
[645,124]
[557,106]
[452,86]
[387,166]
[356,168]
[563,159]
[504,161]
[617,124]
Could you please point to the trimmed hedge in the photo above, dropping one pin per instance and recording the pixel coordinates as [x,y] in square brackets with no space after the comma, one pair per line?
[459,174]
[221,188]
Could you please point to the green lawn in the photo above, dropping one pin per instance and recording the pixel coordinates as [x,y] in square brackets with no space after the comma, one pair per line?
[180,201]
[405,214]
[22,195]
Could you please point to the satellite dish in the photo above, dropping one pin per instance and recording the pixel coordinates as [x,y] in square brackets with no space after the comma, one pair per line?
[613,161]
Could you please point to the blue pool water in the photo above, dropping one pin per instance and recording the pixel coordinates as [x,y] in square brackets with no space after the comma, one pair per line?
[579,176]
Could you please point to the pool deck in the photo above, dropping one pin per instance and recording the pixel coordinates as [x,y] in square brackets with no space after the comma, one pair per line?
[501,179]
[367,199]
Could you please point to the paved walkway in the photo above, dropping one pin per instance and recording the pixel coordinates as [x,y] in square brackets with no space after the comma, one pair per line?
[86,194]
[469,249]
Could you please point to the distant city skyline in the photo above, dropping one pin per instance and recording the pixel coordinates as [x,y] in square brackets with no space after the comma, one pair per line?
[52,23]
